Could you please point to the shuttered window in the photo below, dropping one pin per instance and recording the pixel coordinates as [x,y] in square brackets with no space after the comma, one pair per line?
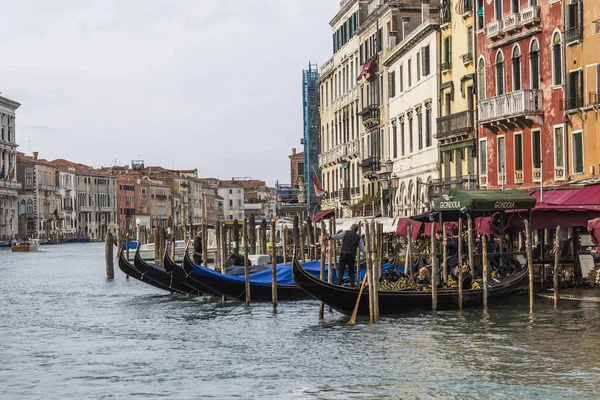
[577,152]
[518,139]
[499,73]
[537,148]
[426,68]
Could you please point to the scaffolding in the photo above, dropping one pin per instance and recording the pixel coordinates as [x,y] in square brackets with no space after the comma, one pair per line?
[312,143]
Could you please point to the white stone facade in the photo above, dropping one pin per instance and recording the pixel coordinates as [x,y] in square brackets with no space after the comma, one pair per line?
[233,201]
[9,221]
[413,110]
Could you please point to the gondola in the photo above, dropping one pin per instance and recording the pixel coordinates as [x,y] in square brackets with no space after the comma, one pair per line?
[179,274]
[343,299]
[129,270]
[158,274]
[236,289]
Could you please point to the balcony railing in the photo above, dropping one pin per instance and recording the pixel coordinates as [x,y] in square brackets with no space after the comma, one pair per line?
[559,173]
[370,115]
[519,177]
[454,124]
[519,103]
[437,187]
[494,29]
[353,148]
[467,58]
[370,165]
[464,7]
[573,34]
[446,66]
[594,98]
[445,14]
[537,174]
[530,15]
[511,22]
[573,102]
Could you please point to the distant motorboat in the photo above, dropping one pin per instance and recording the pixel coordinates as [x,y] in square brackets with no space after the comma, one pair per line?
[24,247]
[5,244]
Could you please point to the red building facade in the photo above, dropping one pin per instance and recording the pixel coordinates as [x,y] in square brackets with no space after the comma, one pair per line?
[520,76]
[126,201]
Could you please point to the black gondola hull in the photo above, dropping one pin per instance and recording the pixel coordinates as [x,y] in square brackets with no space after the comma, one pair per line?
[179,274]
[343,299]
[129,270]
[237,290]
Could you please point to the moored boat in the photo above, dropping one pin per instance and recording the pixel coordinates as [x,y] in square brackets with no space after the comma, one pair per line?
[24,247]
[343,299]
[179,274]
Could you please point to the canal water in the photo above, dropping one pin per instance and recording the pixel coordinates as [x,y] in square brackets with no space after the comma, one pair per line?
[66,333]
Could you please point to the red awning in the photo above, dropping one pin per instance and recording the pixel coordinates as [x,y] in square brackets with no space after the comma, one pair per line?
[322,214]
[559,196]
[366,68]
[589,195]
[594,230]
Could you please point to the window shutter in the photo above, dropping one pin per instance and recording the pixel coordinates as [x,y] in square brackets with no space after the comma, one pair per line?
[569,19]
[568,91]
[597,82]
[580,14]
[425,60]
[449,49]
[379,40]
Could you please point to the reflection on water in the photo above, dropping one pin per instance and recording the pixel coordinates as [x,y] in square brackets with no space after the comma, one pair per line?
[67,333]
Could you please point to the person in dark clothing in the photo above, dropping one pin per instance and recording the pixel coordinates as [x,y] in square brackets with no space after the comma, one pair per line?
[198,248]
[467,277]
[350,242]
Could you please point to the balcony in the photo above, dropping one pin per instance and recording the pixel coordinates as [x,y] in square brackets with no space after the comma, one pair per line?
[594,99]
[455,124]
[339,153]
[517,109]
[501,178]
[344,194]
[537,174]
[446,66]
[559,173]
[467,58]
[370,116]
[161,197]
[573,35]
[519,177]
[464,7]
[353,148]
[370,165]
[511,22]
[530,15]
[437,187]
[494,29]
[573,102]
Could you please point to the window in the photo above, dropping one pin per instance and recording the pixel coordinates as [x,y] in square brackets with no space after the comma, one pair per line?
[499,73]
[22,207]
[482,157]
[427,127]
[470,41]
[556,60]
[394,141]
[574,90]
[402,137]
[514,6]
[425,60]
[501,154]
[498,9]
[534,60]
[29,176]
[536,148]
[410,134]
[420,128]
[392,84]
[516,67]
[574,22]
[401,78]
[409,73]
[480,20]
[418,67]
[518,138]
[447,64]
[559,157]
[481,79]
[230,203]
[578,152]
[29,206]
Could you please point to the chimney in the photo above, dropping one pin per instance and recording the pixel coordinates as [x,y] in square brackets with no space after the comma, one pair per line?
[35,155]
[425,10]
[405,21]
[293,151]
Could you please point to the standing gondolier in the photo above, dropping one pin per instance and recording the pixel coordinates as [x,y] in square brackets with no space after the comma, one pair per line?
[350,242]
[198,248]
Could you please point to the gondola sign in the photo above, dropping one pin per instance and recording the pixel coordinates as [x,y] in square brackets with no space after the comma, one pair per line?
[450,205]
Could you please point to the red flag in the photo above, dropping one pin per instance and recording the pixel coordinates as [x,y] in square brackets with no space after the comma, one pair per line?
[318,189]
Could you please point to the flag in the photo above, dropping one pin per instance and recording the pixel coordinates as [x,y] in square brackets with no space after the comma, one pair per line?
[318,189]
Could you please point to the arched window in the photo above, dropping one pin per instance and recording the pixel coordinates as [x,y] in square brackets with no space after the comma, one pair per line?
[29,176]
[29,206]
[22,208]
[499,73]
[516,67]
[556,60]
[45,177]
[481,79]
[534,60]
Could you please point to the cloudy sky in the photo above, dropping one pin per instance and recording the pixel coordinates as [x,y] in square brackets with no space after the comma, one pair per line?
[207,84]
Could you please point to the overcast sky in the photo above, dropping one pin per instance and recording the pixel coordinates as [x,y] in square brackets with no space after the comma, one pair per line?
[207,84]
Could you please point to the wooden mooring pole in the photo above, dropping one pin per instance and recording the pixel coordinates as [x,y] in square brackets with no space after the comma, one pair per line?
[108,252]
[434,297]
[273,265]
[556,260]
[246,262]
[252,227]
[529,246]
[369,245]
[444,254]
[263,236]
[485,269]
[285,244]
[460,272]
[322,270]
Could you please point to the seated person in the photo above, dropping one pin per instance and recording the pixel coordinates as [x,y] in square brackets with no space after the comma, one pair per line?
[467,277]
[423,278]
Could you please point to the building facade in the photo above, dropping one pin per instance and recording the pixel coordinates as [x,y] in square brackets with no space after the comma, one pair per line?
[456,127]
[233,200]
[67,191]
[582,89]
[96,198]
[9,186]
[311,138]
[413,87]
[520,74]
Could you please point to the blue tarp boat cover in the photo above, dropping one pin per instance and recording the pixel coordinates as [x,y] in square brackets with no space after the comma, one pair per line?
[284,274]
